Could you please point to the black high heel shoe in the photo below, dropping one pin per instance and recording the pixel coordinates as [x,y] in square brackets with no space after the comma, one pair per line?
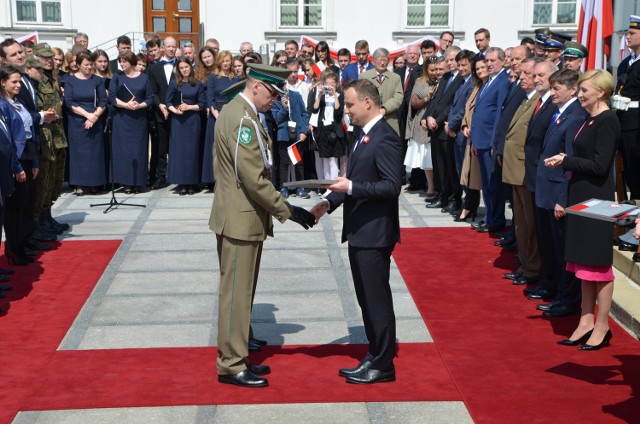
[460,218]
[604,343]
[581,340]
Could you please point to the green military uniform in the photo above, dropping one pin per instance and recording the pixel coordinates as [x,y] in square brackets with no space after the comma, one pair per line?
[244,203]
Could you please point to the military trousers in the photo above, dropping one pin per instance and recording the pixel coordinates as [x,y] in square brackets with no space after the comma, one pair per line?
[239,262]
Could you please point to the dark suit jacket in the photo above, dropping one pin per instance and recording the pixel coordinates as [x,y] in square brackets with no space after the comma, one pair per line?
[511,104]
[7,160]
[351,71]
[535,137]
[113,64]
[486,113]
[160,86]
[371,211]
[456,113]
[32,106]
[439,106]
[552,184]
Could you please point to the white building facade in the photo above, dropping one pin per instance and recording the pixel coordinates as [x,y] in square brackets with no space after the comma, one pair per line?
[269,23]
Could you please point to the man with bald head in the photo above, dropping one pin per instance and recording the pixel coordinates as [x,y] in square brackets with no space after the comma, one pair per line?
[160,74]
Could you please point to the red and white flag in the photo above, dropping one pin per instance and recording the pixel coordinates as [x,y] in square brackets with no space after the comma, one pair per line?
[594,27]
[32,36]
[294,153]
[318,67]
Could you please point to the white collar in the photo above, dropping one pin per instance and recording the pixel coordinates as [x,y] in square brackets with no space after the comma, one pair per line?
[371,123]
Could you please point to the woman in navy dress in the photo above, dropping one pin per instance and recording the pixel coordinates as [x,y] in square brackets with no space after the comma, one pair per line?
[86,100]
[185,99]
[205,66]
[130,133]
[223,78]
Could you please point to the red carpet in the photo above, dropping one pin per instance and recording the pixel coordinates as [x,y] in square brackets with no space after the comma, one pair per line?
[501,352]
[187,376]
[46,297]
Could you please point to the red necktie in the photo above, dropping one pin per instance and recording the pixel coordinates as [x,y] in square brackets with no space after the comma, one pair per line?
[406,78]
[361,69]
[535,112]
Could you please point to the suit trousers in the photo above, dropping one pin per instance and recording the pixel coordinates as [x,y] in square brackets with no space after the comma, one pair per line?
[239,262]
[497,194]
[444,165]
[370,271]
[160,151]
[484,160]
[525,228]
[551,240]
[630,152]
[16,211]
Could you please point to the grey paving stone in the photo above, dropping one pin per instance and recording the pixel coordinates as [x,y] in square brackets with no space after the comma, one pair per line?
[427,412]
[273,307]
[98,228]
[180,214]
[185,202]
[294,259]
[182,226]
[172,242]
[299,332]
[147,336]
[164,415]
[132,283]
[154,309]
[316,413]
[171,261]
[290,280]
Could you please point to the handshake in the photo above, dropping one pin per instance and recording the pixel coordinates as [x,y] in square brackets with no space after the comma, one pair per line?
[308,219]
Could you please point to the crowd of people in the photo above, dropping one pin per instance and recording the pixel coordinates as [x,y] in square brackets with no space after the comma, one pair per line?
[522,125]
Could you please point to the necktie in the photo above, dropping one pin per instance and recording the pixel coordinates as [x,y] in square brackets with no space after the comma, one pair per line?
[406,78]
[535,112]
[171,62]
[361,69]
[26,82]
[555,116]
[485,86]
[3,125]
[380,78]
[358,140]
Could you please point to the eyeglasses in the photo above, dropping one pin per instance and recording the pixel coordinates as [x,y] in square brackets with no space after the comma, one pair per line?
[271,91]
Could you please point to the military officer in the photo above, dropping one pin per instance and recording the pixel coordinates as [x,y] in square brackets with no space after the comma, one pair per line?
[244,203]
[573,56]
[53,143]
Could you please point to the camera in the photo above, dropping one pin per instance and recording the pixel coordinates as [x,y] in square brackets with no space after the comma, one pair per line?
[326,87]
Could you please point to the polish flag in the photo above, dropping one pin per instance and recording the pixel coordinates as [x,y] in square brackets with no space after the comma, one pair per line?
[594,27]
[32,36]
[318,68]
[294,153]
[301,74]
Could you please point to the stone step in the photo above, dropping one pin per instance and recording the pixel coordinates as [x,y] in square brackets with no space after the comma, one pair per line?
[626,294]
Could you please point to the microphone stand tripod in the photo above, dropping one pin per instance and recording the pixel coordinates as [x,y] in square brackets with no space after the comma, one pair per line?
[113,203]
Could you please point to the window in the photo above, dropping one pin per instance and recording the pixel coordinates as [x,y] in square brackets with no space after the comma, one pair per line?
[39,11]
[301,13]
[554,12]
[423,13]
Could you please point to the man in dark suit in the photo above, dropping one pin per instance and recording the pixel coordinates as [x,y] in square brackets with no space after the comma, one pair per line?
[160,74]
[370,193]
[442,145]
[353,70]
[486,116]
[552,187]
[123,44]
[413,56]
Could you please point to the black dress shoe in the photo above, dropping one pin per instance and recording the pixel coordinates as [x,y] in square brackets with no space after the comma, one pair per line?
[362,366]
[244,379]
[512,275]
[258,341]
[477,225]
[541,294]
[254,347]
[258,369]
[636,257]
[545,306]
[43,236]
[505,234]
[604,343]
[36,245]
[505,241]
[371,376]
[159,184]
[627,247]
[561,311]
[435,205]
[3,279]
[490,228]
[522,281]
[510,247]
[5,287]
[581,340]
[6,271]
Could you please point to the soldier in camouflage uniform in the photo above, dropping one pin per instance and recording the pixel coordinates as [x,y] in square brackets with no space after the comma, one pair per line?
[54,143]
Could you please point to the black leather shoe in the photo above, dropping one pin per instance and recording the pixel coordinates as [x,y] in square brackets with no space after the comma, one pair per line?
[5,287]
[581,340]
[362,366]
[257,341]
[477,225]
[512,275]
[159,184]
[490,229]
[258,369]
[604,343]
[372,376]
[243,379]
[43,236]
[36,245]
[541,294]
[436,205]
[522,281]
[510,247]
[636,257]
[3,279]
[627,247]
[505,234]
[544,307]
[450,208]
[561,311]
[504,242]
[6,271]
[254,347]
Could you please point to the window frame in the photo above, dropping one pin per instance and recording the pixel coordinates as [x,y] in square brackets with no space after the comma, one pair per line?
[427,14]
[554,15]
[300,4]
[39,22]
